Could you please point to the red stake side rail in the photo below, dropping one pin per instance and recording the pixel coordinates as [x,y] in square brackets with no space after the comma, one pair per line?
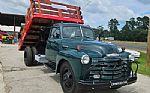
[46,9]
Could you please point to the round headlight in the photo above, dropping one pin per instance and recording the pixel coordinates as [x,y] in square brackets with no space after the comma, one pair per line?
[85,59]
[131,57]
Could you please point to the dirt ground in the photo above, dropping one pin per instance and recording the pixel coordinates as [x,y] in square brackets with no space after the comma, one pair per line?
[15,77]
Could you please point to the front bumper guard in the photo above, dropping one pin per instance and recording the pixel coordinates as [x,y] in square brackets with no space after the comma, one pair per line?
[105,85]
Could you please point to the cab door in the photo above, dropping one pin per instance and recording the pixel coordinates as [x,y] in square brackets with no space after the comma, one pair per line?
[53,44]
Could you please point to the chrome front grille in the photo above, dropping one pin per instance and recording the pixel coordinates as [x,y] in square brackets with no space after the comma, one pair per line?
[108,70]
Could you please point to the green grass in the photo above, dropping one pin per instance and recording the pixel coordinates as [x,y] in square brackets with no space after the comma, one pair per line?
[142,62]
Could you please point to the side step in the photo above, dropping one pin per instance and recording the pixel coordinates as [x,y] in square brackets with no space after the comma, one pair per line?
[41,59]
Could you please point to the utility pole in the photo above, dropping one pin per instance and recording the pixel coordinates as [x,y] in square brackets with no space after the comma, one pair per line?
[14,26]
[14,35]
[148,46]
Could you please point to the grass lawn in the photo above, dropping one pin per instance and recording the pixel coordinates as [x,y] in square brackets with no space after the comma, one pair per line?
[142,61]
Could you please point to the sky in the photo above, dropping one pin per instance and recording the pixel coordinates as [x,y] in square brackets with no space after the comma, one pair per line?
[95,12]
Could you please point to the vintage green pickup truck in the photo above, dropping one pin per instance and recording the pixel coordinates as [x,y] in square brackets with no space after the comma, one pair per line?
[83,63]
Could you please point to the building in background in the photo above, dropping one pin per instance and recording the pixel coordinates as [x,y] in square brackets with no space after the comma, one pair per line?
[7,32]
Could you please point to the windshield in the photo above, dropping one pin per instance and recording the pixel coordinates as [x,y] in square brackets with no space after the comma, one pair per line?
[87,33]
[75,32]
[71,32]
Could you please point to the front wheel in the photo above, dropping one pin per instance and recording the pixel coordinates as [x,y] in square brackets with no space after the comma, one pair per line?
[67,79]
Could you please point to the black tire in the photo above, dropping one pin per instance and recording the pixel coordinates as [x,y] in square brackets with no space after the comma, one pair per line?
[67,79]
[28,56]
[34,52]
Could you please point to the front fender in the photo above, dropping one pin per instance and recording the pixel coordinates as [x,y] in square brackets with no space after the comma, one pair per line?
[73,57]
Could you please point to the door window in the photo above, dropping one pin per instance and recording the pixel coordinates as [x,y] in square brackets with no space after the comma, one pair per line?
[55,33]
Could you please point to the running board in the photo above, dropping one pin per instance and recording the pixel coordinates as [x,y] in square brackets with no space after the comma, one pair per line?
[41,59]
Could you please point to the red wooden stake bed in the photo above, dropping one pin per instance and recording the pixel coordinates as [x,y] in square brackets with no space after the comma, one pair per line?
[43,13]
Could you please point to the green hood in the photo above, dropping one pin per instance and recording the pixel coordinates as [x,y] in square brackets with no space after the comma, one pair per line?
[90,47]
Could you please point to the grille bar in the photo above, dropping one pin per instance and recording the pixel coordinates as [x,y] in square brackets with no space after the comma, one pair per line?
[109,70]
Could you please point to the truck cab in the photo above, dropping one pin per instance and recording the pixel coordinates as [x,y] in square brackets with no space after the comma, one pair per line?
[83,62]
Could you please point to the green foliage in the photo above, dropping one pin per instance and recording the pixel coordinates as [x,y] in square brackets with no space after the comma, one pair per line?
[142,63]
[100,32]
[135,29]
[142,23]
[139,35]
[112,24]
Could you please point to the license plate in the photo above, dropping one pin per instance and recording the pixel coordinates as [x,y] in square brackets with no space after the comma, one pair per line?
[118,83]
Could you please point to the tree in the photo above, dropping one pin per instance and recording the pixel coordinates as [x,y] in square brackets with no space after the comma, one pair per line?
[126,26]
[113,27]
[132,24]
[145,22]
[99,31]
[142,23]
[135,30]
[112,24]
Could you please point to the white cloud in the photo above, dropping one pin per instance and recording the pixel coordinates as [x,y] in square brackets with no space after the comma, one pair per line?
[99,12]
[14,6]
[122,12]
[95,12]
[144,1]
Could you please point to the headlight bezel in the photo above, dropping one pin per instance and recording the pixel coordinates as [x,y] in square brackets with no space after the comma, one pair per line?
[85,59]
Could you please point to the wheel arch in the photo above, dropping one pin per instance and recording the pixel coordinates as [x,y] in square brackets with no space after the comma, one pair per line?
[73,58]
[75,65]
[59,65]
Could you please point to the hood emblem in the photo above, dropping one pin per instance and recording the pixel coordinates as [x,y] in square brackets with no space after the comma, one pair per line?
[112,55]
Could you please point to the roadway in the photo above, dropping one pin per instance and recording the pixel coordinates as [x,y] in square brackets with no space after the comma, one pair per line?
[139,46]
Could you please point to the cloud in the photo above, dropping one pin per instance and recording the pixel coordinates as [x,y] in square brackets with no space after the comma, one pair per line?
[97,6]
[144,1]
[14,6]
[99,12]
[95,12]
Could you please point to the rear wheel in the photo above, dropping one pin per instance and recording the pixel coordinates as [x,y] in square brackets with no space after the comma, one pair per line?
[28,56]
[34,52]
[67,79]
